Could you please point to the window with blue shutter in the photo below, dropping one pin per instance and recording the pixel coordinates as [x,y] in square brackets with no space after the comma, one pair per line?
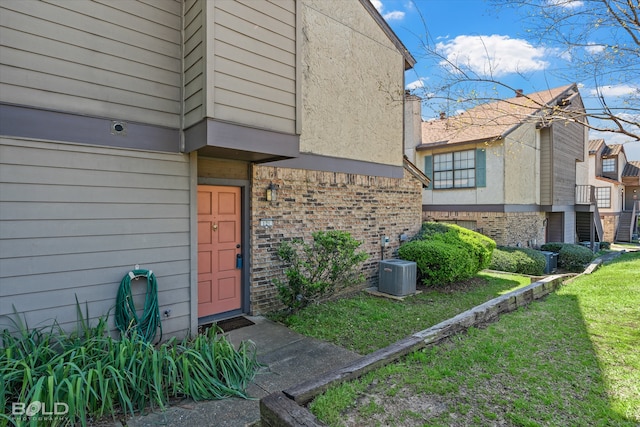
[428,170]
[481,168]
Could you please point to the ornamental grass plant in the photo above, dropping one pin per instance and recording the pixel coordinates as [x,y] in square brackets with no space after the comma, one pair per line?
[93,375]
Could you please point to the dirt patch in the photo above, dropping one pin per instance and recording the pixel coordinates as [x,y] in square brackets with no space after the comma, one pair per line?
[402,408]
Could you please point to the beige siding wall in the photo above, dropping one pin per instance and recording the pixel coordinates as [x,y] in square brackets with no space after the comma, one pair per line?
[76,219]
[350,69]
[568,148]
[109,59]
[521,163]
[493,193]
[251,76]
[546,167]
[194,45]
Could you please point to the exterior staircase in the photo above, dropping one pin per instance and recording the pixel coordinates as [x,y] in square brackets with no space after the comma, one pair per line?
[623,234]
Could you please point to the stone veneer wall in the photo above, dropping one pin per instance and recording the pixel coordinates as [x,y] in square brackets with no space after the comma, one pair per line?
[506,228]
[368,207]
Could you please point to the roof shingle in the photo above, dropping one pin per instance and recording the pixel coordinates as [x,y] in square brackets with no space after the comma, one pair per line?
[491,121]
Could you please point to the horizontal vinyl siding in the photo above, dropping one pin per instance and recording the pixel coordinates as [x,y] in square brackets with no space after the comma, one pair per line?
[107,59]
[75,219]
[254,65]
[568,147]
[194,46]
[546,167]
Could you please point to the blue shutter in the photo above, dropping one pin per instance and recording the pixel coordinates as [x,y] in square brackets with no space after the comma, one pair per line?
[428,170]
[481,168]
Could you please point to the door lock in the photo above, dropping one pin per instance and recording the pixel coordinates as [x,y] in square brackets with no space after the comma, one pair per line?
[214,227]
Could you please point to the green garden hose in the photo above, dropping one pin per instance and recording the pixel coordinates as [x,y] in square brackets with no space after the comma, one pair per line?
[127,318]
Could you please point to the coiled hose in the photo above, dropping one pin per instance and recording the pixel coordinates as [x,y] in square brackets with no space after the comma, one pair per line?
[126,316]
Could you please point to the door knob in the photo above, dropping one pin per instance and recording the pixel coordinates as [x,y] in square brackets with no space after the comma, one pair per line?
[214,227]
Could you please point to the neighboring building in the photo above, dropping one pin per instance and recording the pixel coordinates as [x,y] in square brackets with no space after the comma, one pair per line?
[138,132]
[616,182]
[510,169]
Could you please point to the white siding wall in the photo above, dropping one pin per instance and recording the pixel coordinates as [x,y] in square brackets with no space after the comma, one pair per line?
[116,59]
[75,219]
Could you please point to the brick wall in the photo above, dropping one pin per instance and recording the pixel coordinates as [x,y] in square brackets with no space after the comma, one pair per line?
[506,228]
[368,207]
[609,226]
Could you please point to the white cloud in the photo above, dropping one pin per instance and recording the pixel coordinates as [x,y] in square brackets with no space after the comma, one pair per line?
[567,4]
[593,48]
[417,84]
[494,55]
[615,90]
[395,15]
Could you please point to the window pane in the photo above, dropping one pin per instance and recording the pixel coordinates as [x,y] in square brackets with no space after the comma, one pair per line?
[608,165]
[443,179]
[603,197]
[455,170]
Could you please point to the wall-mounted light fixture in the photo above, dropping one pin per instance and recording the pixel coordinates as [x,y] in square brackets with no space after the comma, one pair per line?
[272,192]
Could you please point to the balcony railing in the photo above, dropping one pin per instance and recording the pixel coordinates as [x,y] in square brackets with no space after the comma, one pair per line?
[585,195]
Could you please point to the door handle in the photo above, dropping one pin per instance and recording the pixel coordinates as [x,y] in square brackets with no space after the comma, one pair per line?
[214,227]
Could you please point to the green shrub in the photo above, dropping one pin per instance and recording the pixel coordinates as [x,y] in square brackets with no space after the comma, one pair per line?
[570,257]
[438,262]
[605,245]
[479,247]
[552,246]
[518,260]
[317,270]
[574,257]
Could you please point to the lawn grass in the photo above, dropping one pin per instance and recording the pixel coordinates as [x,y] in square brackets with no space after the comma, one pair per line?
[571,359]
[365,323]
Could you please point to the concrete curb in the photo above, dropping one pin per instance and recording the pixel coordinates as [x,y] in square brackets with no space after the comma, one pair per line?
[285,408]
[597,263]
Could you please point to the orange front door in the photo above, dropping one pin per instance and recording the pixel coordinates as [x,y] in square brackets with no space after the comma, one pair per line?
[219,238]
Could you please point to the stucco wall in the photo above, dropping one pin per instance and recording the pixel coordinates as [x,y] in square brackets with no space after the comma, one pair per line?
[522,166]
[350,69]
[368,207]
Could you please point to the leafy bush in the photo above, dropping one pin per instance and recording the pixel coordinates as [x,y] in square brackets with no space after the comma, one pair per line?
[574,257]
[314,271]
[570,257]
[605,245]
[518,260]
[476,250]
[96,375]
[552,246]
[438,262]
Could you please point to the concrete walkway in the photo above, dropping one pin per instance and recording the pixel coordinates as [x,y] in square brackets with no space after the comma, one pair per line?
[289,359]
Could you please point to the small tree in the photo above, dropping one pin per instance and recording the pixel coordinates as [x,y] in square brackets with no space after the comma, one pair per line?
[316,270]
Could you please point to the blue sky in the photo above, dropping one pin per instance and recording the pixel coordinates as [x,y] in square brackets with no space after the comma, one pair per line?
[465,29]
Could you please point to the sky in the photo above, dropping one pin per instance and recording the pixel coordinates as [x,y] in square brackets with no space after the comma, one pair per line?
[464,30]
